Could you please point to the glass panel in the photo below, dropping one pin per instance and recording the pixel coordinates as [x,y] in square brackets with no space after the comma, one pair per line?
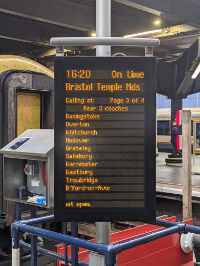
[163,127]
[198,135]
[28,111]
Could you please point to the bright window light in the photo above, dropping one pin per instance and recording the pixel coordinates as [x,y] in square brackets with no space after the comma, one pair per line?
[143,33]
[196,72]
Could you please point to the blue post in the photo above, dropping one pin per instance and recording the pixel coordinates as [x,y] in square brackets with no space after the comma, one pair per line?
[34,257]
[110,259]
[74,232]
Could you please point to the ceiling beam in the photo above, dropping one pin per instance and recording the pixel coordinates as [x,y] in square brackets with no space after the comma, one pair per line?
[60,13]
[69,15]
[185,10]
[26,30]
[40,44]
[139,7]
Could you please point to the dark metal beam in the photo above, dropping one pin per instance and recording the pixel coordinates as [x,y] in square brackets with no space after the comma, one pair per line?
[139,7]
[27,30]
[38,20]
[24,41]
[67,14]
[60,13]
[186,10]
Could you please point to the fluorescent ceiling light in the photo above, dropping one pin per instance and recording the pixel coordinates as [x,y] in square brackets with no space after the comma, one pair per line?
[196,72]
[157,22]
[143,33]
[93,34]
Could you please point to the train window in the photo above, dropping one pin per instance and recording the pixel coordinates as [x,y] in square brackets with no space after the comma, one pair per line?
[197,135]
[163,127]
[28,111]
[192,125]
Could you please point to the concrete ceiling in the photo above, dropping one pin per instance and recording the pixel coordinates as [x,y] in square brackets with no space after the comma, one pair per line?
[28,25]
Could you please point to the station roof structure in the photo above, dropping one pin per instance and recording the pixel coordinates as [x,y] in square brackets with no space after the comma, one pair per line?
[33,23]
[27,26]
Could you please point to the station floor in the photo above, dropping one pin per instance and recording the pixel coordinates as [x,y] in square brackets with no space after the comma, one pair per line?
[169,177]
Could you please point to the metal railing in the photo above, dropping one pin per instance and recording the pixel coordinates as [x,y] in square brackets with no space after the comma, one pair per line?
[108,251]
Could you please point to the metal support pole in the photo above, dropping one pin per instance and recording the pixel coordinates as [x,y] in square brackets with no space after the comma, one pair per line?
[149,53]
[103,29]
[15,247]
[74,232]
[103,25]
[187,173]
[34,257]
[15,256]
[110,259]
[18,211]
[15,238]
[60,52]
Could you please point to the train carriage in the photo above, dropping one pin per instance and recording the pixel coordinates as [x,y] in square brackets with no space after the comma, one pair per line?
[164,128]
[26,101]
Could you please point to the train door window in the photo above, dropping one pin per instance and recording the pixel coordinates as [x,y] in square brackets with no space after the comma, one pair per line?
[196,132]
[163,127]
[192,128]
[28,111]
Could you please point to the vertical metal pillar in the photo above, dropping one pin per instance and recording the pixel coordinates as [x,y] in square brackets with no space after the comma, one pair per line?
[149,53]
[18,211]
[187,172]
[15,247]
[74,232]
[34,255]
[103,25]
[15,256]
[60,52]
[110,259]
[103,29]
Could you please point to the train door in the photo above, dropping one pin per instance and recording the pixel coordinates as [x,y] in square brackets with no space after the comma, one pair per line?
[26,102]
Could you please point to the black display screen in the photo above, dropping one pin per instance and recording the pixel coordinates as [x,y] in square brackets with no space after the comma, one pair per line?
[105,138]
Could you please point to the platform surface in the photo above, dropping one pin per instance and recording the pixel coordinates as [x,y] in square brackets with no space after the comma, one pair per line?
[169,178]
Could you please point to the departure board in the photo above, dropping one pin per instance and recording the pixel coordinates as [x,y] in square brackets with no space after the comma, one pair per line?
[105,138]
